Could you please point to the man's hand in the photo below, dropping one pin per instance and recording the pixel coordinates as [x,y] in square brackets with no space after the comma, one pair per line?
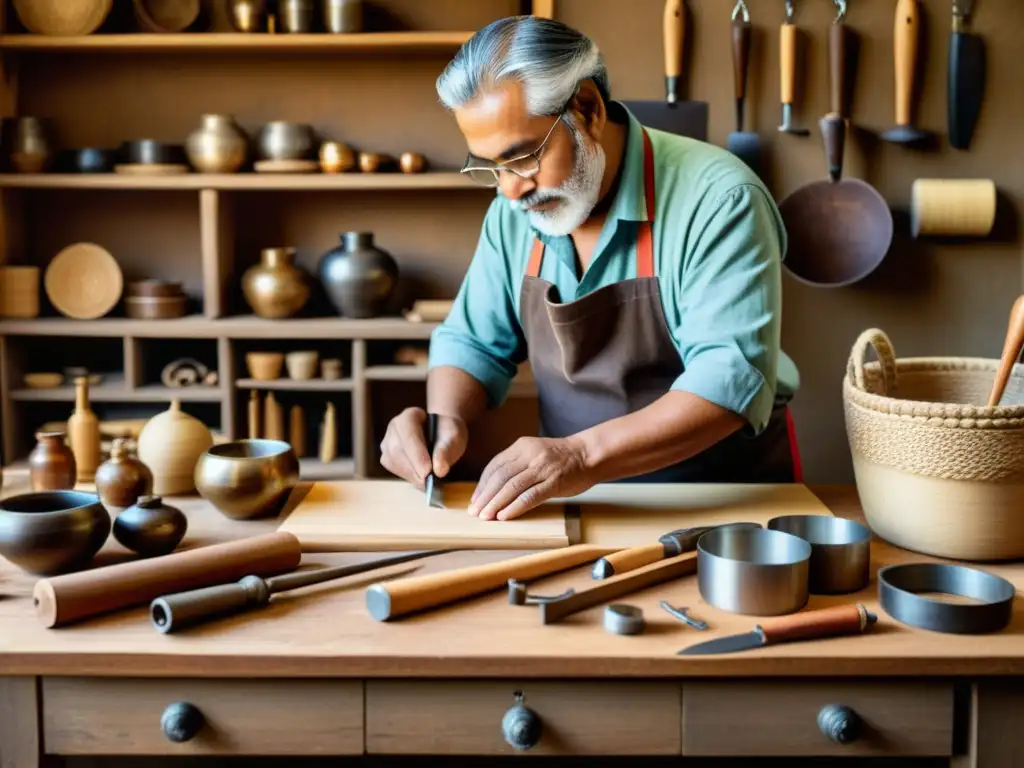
[404,447]
[529,472]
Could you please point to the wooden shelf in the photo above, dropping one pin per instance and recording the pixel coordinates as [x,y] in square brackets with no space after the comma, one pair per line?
[436,180]
[241,327]
[231,42]
[292,385]
[113,390]
[311,468]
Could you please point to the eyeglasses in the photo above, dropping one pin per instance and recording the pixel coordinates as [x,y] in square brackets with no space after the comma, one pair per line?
[485,172]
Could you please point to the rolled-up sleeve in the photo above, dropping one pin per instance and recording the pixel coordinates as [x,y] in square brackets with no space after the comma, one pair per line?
[482,335]
[731,296]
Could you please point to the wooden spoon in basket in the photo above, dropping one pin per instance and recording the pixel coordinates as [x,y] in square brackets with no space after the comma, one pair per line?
[1012,347]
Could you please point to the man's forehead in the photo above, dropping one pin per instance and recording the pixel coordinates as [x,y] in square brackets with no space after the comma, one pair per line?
[498,119]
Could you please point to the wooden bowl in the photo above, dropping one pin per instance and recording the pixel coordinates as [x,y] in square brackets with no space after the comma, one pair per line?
[246,479]
[50,532]
[62,17]
[264,366]
[155,307]
[43,380]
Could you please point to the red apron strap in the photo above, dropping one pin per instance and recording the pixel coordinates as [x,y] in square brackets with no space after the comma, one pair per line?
[536,257]
[794,449]
[645,236]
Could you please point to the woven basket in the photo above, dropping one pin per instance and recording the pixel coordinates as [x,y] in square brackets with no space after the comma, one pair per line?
[937,470]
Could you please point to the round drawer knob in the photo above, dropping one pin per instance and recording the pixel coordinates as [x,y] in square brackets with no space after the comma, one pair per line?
[181,721]
[521,726]
[839,723]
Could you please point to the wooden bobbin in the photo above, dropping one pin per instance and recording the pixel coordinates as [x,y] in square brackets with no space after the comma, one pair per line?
[953,207]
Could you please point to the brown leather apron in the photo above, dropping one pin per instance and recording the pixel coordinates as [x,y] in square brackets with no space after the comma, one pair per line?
[610,353]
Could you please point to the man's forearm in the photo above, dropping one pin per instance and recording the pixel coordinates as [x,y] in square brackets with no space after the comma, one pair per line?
[453,392]
[675,427]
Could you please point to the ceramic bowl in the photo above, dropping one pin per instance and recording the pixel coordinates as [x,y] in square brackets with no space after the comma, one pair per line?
[247,479]
[301,365]
[264,366]
[52,532]
[285,141]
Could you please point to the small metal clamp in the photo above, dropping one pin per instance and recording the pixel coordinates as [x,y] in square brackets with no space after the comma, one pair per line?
[840,11]
[680,613]
[741,7]
[517,594]
[621,619]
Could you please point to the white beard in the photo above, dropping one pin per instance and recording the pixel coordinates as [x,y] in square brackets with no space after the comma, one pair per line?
[577,195]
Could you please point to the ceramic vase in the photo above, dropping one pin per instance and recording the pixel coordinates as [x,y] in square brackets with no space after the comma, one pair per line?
[276,287]
[170,444]
[218,145]
[51,464]
[84,434]
[150,527]
[28,146]
[122,478]
[359,277]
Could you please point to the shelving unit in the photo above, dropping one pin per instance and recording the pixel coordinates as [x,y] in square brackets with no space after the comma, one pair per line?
[206,229]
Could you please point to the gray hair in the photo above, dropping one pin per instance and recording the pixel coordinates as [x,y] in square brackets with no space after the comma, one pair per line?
[549,58]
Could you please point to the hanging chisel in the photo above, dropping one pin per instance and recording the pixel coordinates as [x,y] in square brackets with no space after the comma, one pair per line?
[671,544]
[965,76]
[170,613]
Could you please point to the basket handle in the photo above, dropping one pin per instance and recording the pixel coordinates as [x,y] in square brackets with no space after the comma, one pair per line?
[879,341]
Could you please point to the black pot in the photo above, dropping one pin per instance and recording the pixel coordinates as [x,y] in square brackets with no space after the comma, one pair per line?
[151,152]
[359,278]
[87,160]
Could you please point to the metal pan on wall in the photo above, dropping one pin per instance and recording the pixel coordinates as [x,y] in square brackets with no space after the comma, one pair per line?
[839,230]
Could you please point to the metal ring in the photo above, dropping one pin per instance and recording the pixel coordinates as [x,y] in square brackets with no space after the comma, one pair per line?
[898,585]
[621,619]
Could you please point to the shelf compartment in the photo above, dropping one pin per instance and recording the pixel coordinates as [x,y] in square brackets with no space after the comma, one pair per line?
[437,180]
[240,327]
[114,390]
[231,42]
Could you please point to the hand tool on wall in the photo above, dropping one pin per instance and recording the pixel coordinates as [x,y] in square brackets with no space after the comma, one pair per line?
[965,76]
[617,586]
[906,44]
[671,544]
[170,613]
[839,63]
[402,596]
[433,492]
[787,72]
[806,625]
[682,117]
[1012,347]
[744,144]
[63,599]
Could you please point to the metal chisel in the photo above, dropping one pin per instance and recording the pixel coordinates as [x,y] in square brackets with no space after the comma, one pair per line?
[433,492]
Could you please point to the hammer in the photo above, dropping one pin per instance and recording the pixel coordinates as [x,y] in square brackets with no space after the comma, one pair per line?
[669,545]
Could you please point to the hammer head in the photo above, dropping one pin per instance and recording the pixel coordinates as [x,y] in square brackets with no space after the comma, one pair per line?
[685,539]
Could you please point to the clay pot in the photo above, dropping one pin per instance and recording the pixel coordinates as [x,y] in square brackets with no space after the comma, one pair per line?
[218,145]
[150,527]
[52,532]
[276,288]
[84,433]
[248,15]
[264,366]
[359,278]
[330,368]
[170,444]
[28,145]
[301,365]
[122,478]
[51,464]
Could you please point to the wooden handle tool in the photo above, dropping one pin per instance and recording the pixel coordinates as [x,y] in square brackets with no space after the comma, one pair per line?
[670,544]
[66,598]
[402,596]
[617,586]
[1012,347]
[740,58]
[838,67]
[787,72]
[674,31]
[906,44]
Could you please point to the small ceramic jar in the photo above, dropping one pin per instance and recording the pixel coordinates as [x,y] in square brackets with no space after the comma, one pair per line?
[122,478]
[150,527]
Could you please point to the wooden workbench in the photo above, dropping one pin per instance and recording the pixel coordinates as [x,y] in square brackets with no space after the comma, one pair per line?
[313,674]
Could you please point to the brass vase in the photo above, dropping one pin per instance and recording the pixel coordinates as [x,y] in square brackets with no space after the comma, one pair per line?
[218,145]
[276,287]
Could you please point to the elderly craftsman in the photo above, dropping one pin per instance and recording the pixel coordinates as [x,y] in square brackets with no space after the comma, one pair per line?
[637,271]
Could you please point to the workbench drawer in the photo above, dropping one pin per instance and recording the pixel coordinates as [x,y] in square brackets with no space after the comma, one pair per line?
[578,718]
[726,718]
[90,716]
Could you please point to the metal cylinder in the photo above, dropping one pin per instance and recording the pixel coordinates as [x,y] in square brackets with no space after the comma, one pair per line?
[343,16]
[753,570]
[840,551]
[296,15]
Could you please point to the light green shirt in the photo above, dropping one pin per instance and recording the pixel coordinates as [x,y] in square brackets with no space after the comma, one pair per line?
[718,246]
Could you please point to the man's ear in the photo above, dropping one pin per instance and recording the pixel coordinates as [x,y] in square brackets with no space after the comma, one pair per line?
[591,109]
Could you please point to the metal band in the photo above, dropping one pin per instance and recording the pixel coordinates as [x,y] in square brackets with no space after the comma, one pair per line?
[897,585]
[622,619]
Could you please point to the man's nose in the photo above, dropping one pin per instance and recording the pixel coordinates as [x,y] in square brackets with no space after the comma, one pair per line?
[514,186]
